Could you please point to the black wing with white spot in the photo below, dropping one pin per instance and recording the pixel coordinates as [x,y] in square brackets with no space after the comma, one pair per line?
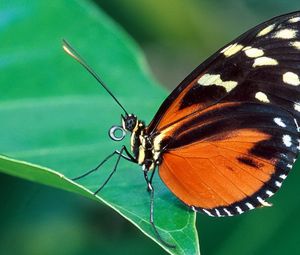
[243,106]
[252,67]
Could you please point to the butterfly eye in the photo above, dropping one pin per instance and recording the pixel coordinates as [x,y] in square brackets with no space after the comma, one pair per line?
[116,133]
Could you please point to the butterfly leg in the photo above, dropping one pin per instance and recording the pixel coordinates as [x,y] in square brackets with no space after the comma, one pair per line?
[150,179]
[128,157]
[120,155]
[151,190]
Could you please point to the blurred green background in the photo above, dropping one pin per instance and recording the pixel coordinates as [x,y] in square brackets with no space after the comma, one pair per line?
[176,36]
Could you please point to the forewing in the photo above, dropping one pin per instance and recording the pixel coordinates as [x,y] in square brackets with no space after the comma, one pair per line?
[261,65]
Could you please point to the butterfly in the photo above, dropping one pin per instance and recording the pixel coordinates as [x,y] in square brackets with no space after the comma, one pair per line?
[227,136]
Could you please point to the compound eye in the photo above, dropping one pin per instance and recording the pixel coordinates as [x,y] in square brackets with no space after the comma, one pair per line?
[130,125]
[117,133]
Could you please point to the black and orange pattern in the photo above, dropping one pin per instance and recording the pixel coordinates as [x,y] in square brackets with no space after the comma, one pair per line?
[228,135]
[226,138]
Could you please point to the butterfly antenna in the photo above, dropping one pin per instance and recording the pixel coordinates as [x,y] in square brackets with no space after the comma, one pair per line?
[73,53]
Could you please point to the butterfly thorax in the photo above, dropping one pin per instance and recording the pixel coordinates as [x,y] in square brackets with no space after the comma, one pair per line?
[142,145]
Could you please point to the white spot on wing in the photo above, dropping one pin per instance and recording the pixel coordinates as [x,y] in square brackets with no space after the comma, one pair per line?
[266,30]
[289,166]
[296,123]
[247,48]
[228,213]
[297,107]
[283,176]
[209,79]
[278,184]
[294,20]
[286,34]
[265,61]
[269,193]
[262,97]
[263,202]
[250,206]
[279,122]
[291,78]
[218,213]
[208,213]
[226,48]
[239,210]
[232,49]
[287,140]
[295,44]
[253,52]
[215,79]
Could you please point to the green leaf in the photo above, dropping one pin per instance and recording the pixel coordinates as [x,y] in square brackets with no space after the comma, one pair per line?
[53,114]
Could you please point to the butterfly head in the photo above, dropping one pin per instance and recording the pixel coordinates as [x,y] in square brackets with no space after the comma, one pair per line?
[129,122]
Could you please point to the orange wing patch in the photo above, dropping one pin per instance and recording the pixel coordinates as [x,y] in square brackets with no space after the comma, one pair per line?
[216,174]
[174,113]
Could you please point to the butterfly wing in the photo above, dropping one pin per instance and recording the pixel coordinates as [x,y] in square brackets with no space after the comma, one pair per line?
[231,158]
[228,134]
[258,57]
